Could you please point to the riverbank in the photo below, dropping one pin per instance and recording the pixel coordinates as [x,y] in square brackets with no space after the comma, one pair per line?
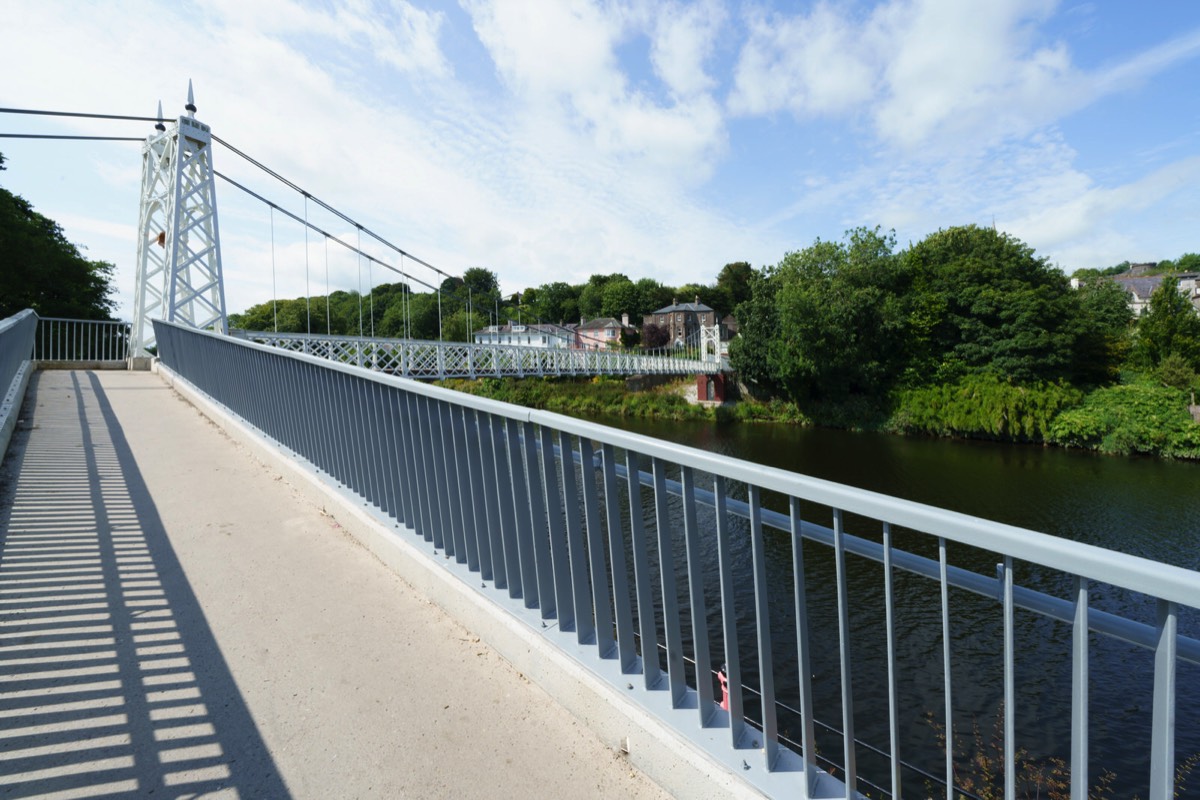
[1136,418]
[608,396]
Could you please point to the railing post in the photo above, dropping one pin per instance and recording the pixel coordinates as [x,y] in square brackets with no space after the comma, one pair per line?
[1162,724]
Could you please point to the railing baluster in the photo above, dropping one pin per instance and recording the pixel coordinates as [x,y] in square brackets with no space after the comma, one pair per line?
[487,462]
[585,629]
[762,619]
[647,629]
[733,659]
[537,513]
[677,679]
[808,741]
[616,558]
[504,488]
[946,694]
[522,519]
[1162,724]
[1010,682]
[424,466]
[890,633]
[474,450]
[451,485]
[467,552]
[699,612]
[1079,693]
[561,560]
[601,601]
[412,463]
[850,761]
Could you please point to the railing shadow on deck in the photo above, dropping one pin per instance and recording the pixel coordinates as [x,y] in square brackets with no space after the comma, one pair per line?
[111,681]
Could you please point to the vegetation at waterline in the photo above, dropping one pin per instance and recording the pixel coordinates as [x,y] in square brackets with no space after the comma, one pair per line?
[608,396]
[44,271]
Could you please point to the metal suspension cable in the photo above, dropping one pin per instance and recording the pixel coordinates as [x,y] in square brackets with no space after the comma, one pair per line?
[370,258]
[328,326]
[274,290]
[84,115]
[307,290]
[295,187]
[360,325]
[138,118]
[72,137]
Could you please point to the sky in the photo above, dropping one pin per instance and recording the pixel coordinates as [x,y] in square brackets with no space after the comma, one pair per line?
[552,139]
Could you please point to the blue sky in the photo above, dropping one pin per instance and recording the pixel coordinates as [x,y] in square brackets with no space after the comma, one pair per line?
[551,140]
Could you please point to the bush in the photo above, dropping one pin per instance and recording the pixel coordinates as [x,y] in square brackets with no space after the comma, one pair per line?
[1134,418]
[983,406]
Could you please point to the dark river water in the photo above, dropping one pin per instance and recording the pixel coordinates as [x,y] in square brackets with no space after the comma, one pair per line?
[1143,507]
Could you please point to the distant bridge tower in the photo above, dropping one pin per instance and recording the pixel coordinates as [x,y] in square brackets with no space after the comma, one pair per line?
[179,247]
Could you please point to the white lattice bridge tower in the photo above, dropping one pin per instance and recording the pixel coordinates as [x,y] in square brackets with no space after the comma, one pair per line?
[179,246]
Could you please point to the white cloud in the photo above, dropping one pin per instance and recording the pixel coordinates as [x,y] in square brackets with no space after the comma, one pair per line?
[812,64]
[684,38]
[560,62]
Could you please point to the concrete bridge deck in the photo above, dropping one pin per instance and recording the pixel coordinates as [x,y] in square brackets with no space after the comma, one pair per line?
[177,620]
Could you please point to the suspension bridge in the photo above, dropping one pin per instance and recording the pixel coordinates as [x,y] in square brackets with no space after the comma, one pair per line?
[178,617]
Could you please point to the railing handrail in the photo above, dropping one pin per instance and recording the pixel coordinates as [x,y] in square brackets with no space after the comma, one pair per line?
[1123,570]
[15,319]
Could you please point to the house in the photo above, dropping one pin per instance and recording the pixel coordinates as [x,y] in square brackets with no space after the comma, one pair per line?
[602,333]
[514,333]
[684,320]
[1139,287]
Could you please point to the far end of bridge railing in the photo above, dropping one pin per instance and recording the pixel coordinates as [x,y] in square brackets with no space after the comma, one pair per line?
[852,633]
[29,341]
[16,353]
[431,360]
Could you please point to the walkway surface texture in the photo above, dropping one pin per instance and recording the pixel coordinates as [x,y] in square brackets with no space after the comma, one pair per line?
[176,621]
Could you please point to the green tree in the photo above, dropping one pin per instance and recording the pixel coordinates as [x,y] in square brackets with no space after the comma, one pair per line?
[591,296]
[44,271]
[1170,325]
[556,302]
[735,279]
[619,297]
[841,318]
[983,302]
[750,353]
[1188,262]
[1104,331]
[651,296]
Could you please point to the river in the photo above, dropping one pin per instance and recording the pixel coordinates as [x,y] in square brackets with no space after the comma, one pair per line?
[1145,507]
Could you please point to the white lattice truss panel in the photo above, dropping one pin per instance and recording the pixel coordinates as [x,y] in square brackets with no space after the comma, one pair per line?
[179,250]
[436,360]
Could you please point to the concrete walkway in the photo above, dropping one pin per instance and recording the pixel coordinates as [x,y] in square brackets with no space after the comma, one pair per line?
[176,621]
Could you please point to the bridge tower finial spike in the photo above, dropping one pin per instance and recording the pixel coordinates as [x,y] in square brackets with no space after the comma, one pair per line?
[159,126]
[191,103]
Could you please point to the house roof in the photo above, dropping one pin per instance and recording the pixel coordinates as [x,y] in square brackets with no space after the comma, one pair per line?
[1141,285]
[553,330]
[601,323]
[698,308]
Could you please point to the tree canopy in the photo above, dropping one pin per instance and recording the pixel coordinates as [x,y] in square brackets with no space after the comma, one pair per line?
[44,271]
[857,318]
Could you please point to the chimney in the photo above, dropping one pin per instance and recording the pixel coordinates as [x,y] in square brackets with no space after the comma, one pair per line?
[625,320]
[697,299]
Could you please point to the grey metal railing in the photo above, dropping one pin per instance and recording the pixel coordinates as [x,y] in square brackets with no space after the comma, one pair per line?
[16,348]
[412,358]
[81,340]
[627,545]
